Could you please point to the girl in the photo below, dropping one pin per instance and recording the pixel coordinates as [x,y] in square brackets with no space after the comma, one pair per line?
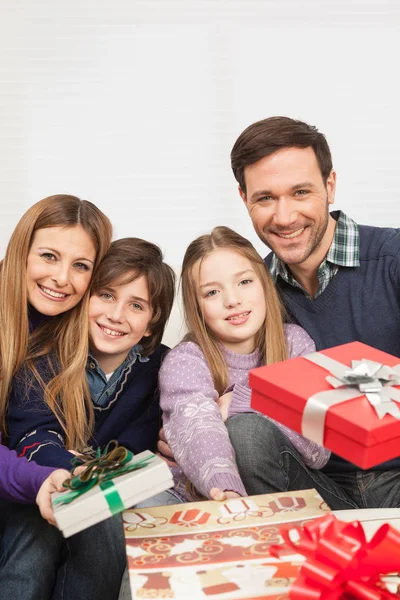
[44,281]
[234,319]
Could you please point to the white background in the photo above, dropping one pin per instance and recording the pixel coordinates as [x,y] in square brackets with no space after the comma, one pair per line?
[135,105]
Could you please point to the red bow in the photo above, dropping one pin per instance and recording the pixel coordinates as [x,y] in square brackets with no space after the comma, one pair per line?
[340,562]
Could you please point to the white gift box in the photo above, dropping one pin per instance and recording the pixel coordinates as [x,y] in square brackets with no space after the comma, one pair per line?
[134,487]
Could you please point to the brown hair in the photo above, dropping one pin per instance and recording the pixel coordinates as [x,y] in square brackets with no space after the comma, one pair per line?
[127,260]
[270,135]
[63,339]
[270,339]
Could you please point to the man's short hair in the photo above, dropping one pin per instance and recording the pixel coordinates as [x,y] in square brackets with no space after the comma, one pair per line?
[127,260]
[265,137]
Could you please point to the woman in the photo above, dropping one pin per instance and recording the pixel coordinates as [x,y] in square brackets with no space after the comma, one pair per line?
[44,282]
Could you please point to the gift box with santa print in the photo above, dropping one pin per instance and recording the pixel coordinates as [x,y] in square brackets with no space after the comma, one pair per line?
[345,398]
[215,549]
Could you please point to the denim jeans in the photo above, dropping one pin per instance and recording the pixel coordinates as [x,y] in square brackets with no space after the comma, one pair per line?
[38,563]
[269,463]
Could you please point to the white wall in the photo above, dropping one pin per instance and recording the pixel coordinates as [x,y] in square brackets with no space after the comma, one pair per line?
[135,105]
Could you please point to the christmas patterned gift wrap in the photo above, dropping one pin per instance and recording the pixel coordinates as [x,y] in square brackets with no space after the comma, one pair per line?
[346,398]
[216,550]
[113,481]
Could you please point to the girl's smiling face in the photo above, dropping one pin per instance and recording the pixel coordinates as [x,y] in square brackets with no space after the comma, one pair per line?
[59,268]
[231,298]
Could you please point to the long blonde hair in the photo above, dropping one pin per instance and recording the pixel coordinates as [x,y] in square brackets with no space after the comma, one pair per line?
[62,339]
[270,339]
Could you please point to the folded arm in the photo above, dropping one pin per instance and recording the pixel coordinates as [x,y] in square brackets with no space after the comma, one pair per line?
[193,424]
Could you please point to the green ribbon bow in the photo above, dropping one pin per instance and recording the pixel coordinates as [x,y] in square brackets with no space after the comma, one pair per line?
[107,464]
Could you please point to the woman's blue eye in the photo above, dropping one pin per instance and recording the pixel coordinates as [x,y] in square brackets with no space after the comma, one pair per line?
[82,267]
[105,296]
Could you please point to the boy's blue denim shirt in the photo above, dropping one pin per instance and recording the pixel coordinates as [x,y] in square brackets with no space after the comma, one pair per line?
[100,388]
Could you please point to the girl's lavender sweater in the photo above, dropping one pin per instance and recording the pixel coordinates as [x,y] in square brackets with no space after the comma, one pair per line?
[193,424]
[20,480]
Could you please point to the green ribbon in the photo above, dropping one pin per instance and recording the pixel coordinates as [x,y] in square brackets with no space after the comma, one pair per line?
[107,464]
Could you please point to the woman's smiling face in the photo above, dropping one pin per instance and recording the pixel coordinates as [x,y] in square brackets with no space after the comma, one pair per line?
[59,268]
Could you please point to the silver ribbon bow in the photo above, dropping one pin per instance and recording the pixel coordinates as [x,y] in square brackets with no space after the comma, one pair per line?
[365,377]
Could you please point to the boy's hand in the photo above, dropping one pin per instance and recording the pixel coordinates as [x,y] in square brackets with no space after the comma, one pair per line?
[164,451]
[53,483]
[224,403]
[220,495]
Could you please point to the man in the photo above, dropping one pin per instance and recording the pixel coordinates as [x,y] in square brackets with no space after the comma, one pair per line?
[340,281]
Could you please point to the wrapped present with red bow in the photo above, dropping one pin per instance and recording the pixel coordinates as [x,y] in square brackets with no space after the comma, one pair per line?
[346,398]
[112,481]
[339,562]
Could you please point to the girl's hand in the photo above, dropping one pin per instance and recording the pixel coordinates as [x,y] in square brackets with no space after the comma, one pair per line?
[164,451]
[53,483]
[220,495]
[224,403]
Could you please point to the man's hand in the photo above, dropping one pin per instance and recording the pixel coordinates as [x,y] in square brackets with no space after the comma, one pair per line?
[220,495]
[164,451]
[53,483]
[224,403]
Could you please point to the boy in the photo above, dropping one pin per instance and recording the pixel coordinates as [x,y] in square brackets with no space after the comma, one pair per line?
[132,297]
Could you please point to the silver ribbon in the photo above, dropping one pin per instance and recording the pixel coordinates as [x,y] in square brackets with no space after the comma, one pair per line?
[365,377]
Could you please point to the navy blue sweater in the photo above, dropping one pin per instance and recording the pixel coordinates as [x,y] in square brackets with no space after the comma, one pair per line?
[132,416]
[359,304]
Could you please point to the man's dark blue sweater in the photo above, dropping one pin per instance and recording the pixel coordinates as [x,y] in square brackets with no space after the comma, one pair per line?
[359,304]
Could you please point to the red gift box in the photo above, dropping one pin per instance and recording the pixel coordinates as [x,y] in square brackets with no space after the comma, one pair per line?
[352,428]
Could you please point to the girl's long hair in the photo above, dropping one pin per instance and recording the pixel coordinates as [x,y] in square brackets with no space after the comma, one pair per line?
[63,339]
[270,339]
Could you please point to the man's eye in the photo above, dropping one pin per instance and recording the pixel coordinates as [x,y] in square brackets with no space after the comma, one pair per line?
[264,199]
[301,192]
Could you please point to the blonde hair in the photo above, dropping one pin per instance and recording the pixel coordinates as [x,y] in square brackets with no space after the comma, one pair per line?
[62,339]
[270,339]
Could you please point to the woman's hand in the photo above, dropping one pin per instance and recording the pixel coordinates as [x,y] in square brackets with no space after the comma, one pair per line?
[224,403]
[53,483]
[220,495]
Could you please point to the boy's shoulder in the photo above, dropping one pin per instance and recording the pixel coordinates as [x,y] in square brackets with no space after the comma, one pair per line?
[157,356]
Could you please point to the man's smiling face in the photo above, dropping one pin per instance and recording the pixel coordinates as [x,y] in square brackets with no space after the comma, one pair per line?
[288,202]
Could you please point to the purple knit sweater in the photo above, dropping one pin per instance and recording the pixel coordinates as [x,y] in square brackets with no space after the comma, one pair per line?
[20,480]
[193,424]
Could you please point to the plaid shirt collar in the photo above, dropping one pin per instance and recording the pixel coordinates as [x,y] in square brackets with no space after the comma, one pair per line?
[344,251]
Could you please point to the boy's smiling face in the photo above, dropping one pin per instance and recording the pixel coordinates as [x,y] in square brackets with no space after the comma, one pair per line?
[119,316]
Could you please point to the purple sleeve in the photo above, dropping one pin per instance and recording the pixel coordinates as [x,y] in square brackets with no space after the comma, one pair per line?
[193,424]
[314,455]
[20,480]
